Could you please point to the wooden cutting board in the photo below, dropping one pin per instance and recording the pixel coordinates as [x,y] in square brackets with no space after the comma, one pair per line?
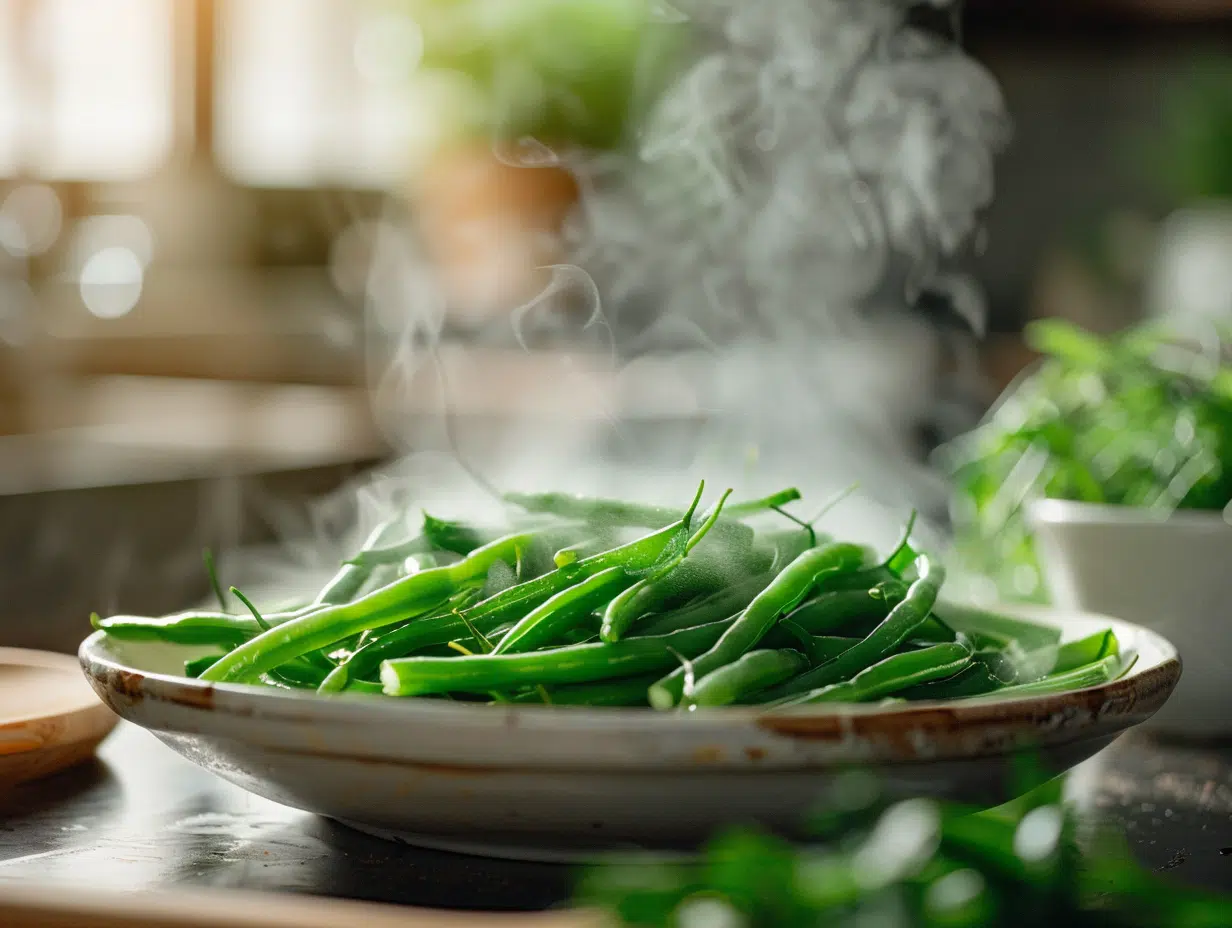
[50,718]
[32,906]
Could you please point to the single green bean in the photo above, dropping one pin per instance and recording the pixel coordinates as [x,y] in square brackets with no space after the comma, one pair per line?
[784,636]
[211,571]
[832,612]
[299,674]
[623,610]
[196,666]
[544,624]
[588,547]
[367,687]
[619,512]
[627,691]
[414,595]
[784,593]
[351,577]
[750,674]
[882,641]
[893,674]
[975,680]
[456,537]
[933,631]
[391,554]
[783,547]
[721,605]
[828,647]
[1101,671]
[582,663]
[204,628]
[1075,654]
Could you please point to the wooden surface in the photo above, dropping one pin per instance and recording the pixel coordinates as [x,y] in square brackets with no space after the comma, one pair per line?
[50,718]
[34,906]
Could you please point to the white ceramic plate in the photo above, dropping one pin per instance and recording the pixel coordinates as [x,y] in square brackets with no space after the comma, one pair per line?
[552,783]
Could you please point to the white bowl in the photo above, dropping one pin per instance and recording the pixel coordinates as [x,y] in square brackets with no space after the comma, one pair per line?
[1170,574]
[552,783]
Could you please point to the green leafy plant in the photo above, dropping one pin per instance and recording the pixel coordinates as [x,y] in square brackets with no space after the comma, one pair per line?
[911,863]
[1143,419]
[560,71]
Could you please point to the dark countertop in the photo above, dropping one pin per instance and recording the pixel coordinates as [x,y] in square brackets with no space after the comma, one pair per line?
[141,817]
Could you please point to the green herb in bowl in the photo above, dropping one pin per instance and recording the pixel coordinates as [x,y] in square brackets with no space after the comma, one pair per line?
[1140,420]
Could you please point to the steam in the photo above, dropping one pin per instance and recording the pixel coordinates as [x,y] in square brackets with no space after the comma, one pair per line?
[813,150]
[753,257]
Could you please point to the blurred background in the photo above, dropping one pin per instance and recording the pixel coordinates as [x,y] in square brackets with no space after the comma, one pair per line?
[191,192]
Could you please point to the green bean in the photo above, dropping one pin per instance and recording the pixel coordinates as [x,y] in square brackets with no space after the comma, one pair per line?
[891,675]
[204,628]
[588,547]
[831,612]
[785,546]
[903,555]
[543,624]
[783,594]
[406,598]
[627,691]
[299,674]
[1099,672]
[351,577]
[368,687]
[211,571]
[582,663]
[1069,656]
[637,557]
[1075,654]
[1031,636]
[975,680]
[697,576]
[887,573]
[721,605]
[623,610]
[864,580]
[455,537]
[391,554]
[930,632]
[618,512]
[753,672]
[511,604]
[195,667]
[416,635]
[828,647]
[882,641]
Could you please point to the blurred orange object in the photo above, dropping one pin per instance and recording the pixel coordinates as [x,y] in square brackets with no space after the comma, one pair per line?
[489,224]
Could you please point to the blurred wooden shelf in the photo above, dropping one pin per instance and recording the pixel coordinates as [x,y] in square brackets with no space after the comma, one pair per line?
[121,431]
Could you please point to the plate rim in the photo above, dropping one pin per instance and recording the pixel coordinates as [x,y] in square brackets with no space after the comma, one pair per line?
[1118,704]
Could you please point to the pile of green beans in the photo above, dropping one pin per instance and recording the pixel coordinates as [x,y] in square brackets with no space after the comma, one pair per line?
[590,602]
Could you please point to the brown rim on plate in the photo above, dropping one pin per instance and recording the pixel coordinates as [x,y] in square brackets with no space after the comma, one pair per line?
[779,740]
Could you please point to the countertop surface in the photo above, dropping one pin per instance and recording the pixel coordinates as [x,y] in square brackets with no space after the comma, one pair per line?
[140,817]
